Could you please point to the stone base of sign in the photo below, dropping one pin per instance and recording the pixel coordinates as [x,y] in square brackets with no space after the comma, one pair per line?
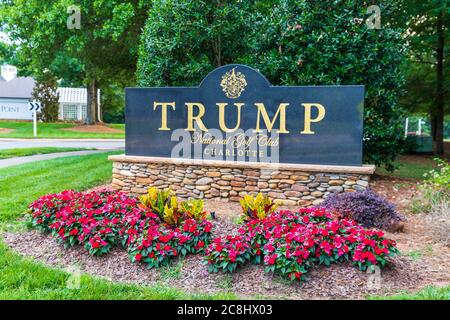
[287,184]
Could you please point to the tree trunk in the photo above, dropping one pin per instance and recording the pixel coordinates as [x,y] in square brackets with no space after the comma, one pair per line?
[92,103]
[437,113]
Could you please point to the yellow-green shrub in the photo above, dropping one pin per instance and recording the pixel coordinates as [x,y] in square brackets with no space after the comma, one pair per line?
[256,207]
[164,203]
[172,214]
[156,200]
[193,209]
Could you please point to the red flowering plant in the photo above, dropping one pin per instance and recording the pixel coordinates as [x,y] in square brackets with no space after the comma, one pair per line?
[291,260]
[253,233]
[99,236]
[90,219]
[43,210]
[227,254]
[177,229]
[104,219]
[156,246]
[334,241]
[372,249]
[134,223]
[290,243]
[198,234]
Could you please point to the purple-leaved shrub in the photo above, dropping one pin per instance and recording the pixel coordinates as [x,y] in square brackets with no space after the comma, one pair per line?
[367,208]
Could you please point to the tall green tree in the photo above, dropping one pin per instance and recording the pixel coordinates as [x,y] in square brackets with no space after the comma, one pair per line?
[183,40]
[90,41]
[8,54]
[330,43]
[427,72]
[5,53]
[291,42]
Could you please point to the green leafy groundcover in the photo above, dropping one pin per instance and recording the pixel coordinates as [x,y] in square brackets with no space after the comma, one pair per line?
[287,243]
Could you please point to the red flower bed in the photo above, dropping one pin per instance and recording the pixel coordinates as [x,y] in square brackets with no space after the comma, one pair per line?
[102,220]
[90,219]
[291,243]
[227,253]
[286,243]
[157,244]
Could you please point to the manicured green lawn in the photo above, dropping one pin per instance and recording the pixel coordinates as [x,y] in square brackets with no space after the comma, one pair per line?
[22,278]
[23,152]
[19,185]
[429,293]
[410,167]
[54,130]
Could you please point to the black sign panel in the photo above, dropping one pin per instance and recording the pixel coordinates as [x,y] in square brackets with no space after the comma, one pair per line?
[236,115]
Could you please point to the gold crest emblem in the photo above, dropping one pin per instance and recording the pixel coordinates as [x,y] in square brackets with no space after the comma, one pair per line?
[233,83]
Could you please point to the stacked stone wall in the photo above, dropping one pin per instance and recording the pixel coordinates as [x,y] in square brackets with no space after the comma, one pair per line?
[288,187]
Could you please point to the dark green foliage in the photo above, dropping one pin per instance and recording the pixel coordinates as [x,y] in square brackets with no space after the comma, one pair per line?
[102,52]
[328,42]
[183,40]
[428,67]
[292,43]
[113,103]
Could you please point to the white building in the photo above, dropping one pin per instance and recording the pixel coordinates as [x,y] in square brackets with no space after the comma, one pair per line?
[73,103]
[15,93]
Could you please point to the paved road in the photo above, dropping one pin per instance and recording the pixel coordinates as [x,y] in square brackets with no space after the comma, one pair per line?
[101,144]
[38,157]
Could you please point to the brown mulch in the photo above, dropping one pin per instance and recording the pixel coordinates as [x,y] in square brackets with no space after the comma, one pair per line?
[399,191]
[340,281]
[96,128]
[6,130]
[417,237]
[336,282]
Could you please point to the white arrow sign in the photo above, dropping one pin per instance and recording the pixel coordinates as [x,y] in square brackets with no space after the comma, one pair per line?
[34,106]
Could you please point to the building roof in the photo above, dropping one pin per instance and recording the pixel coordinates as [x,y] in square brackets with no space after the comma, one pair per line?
[16,88]
[72,95]
[22,87]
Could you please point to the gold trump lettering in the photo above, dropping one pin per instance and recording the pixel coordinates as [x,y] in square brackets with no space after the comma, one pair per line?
[163,106]
[197,118]
[269,124]
[196,111]
[308,119]
[222,124]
